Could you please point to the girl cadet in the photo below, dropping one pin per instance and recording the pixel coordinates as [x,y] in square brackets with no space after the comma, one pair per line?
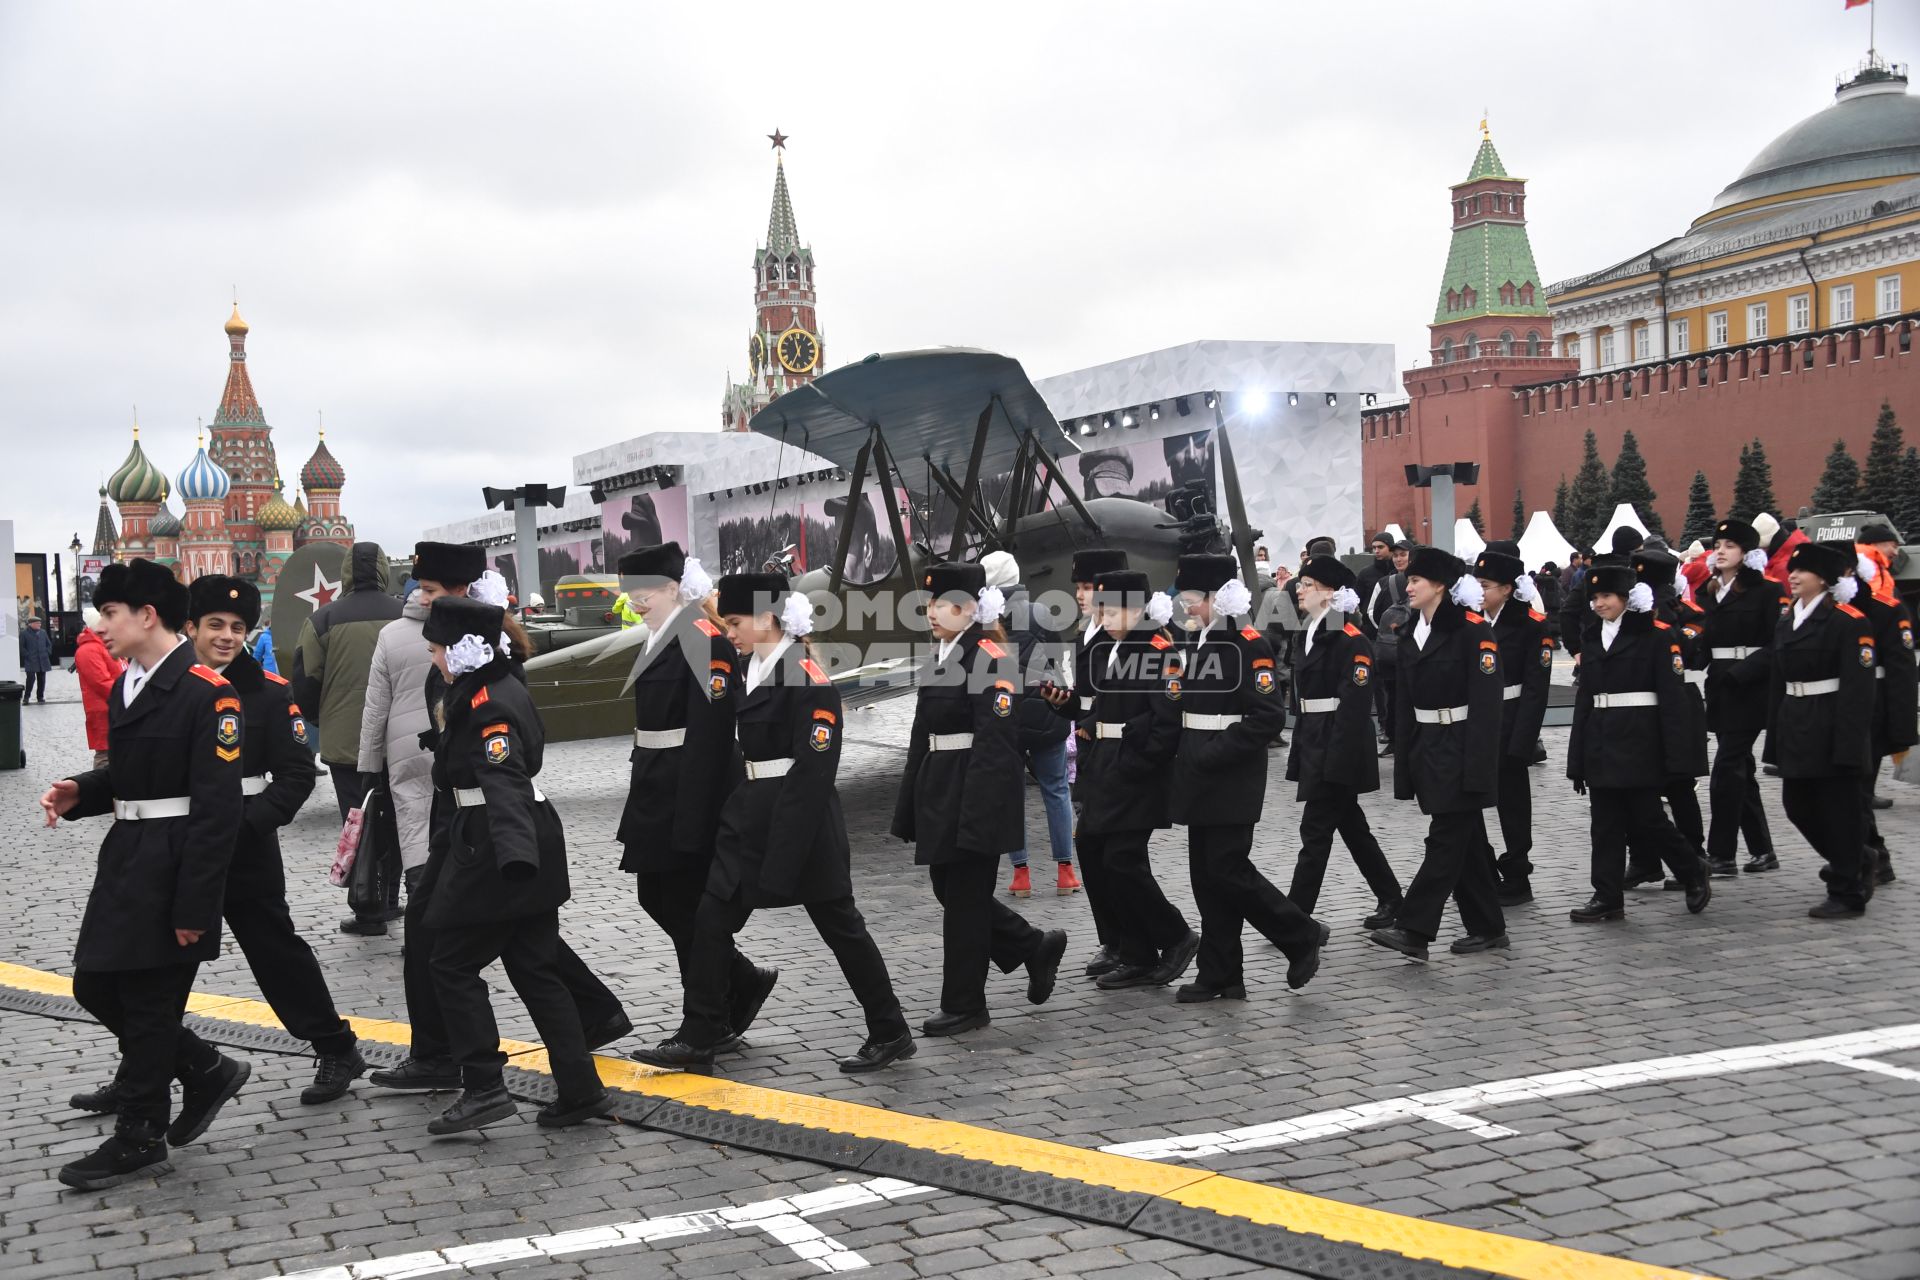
[1741,607]
[1820,720]
[685,688]
[782,840]
[963,796]
[499,874]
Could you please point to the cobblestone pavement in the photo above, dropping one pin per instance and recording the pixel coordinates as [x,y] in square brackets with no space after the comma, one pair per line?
[1802,1163]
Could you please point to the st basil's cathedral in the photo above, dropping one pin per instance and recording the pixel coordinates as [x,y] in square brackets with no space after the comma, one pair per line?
[234,517]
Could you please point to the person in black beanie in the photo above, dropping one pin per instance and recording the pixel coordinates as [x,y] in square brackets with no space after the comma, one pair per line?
[1509,601]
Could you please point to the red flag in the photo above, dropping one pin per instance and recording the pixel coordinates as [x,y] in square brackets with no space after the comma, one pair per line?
[1855,4]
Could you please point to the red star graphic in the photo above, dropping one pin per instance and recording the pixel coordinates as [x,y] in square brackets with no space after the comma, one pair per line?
[778,139]
[321,592]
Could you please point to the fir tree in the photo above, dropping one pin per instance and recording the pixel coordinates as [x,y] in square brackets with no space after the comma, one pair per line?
[1587,509]
[1474,518]
[1630,484]
[1701,520]
[1839,487]
[1519,516]
[1753,485]
[1908,519]
[1560,500]
[1880,488]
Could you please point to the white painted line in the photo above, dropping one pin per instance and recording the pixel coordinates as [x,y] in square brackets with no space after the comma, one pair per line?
[1450,1107]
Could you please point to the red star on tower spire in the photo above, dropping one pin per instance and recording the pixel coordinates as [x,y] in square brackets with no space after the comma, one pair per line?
[778,139]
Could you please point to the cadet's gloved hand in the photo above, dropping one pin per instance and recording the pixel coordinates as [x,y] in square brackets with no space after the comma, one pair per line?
[1579,786]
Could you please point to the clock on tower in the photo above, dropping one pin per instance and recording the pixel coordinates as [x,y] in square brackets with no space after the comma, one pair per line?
[785,348]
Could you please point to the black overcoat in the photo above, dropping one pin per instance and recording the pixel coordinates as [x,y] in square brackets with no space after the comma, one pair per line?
[1526,672]
[1448,767]
[1220,775]
[1896,721]
[276,745]
[968,803]
[691,681]
[1123,780]
[1740,616]
[1631,747]
[1334,748]
[1827,735]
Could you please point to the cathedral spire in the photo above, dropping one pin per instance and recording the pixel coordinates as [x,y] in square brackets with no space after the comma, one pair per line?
[782,235]
[238,406]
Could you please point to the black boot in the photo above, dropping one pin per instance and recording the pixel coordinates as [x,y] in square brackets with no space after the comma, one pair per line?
[135,1150]
[875,1054]
[1105,960]
[1596,911]
[603,1034]
[1514,891]
[1398,939]
[104,1101]
[1177,959]
[475,1108]
[675,1055]
[1383,914]
[332,1076]
[1699,893]
[1883,869]
[562,1113]
[1044,965]
[1763,862]
[417,1075]
[202,1096]
[746,1004]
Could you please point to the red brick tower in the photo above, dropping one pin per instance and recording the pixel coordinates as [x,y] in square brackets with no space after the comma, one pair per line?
[242,446]
[785,349]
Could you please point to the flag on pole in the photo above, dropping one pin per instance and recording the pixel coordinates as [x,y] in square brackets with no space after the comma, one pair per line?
[1855,4]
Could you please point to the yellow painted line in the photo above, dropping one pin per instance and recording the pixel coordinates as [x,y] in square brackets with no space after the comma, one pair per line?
[1187,1186]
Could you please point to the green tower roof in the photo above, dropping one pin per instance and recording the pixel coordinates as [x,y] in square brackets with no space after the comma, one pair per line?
[1486,163]
[1486,255]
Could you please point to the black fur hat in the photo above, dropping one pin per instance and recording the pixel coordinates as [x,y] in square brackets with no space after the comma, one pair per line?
[751,593]
[664,563]
[138,584]
[1204,573]
[1089,565]
[452,617]
[216,593]
[451,564]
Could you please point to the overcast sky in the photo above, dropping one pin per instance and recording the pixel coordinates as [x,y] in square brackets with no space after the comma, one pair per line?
[483,237]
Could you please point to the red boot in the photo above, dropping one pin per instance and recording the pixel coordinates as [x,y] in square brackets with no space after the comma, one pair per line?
[1022,886]
[1068,881]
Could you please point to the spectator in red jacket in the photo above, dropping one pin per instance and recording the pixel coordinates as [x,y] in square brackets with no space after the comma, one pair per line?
[97,670]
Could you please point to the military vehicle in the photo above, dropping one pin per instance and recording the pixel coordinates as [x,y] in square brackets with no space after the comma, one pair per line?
[1845,526]
[581,610]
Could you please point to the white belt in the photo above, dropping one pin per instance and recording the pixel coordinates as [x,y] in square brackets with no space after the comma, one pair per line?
[659,739]
[1318,706]
[1811,688]
[949,741]
[1602,701]
[1108,728]
[1086,703]
[1879,673]
[1440,715]
[1696,677]
[1512,693]
[137,810]
[474,797]
[1737,651]
[758,769]
[1193,720]
[253,786]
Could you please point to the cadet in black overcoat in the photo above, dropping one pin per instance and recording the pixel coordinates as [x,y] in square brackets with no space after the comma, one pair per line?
[1820,720]
[1526,670]
[172,784]
[1132,732]
[1686,623]
[782,839]
[1896,711]
[1740,607]
[962,800]
[1447,755]
[499,875]
[1088,565]
[277,776]
[1332,756]
[1632,732]
[1577,612]
[1231,707]
[685,687]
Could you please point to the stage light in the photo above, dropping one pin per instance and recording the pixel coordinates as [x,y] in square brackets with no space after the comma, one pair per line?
[1293,399]
[1212,400]
[1253,402]
[1181,407]
[1107,422]
[1371,400]
[597,493]
[1332,399]
[1126,419]
[1154,413]
[1086,426]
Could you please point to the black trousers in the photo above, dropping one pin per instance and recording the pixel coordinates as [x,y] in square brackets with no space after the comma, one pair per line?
[1683,806]
[1383,693]
[289,975]
[1231,892]
[596,1005]
[33,679]
[1515,807]
[1455,867]
[1633,815]
[1870,825]
[670,899]
[1337,809]
[705,1021]
[529,949]
[1106,928]
[1117,866]
[1827,812]
[143,1008]
[975,928]
[1733,799]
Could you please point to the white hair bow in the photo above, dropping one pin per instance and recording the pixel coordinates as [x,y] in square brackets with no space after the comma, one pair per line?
[1525,591]
[695,582]
[489,588]
[796,614]
[1640,599]
[1866,567]
[1159,608]
[1755,560]
[992,602]
[1233,598]
[468,653]
[1845,589]
[1467,593]
[1346,600]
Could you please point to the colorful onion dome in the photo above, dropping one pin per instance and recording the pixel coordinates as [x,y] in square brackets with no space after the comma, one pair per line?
[137,480]
[204,479]
[322,471]
[277,514]
[165,524]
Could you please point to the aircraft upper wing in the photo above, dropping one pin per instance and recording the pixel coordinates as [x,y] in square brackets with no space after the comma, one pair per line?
[926,404]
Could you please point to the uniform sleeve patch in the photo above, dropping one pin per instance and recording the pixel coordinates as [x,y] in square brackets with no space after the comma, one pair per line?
[821,713]
[1866,653]
[706,627]
[1251,634]
[1161,642]
[1546,655]
[1906,635]
[1002,699]
[1679,663]
[1262,662]
[276,677]
[821,737]
[814,673]
[1363,659]
[1362,670]
[208,674]
[226,704]
[991,649]
[480,699]
[718,665]
[497,747]
[1490,644]
[1490,660]
[492,729]
[299,723]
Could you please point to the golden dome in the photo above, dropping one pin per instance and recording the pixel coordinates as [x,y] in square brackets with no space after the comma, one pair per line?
[236,327]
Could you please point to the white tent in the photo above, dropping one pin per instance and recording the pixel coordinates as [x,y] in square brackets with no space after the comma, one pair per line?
[1623,518]
[1467,542]
[1543,544]
[1395,532]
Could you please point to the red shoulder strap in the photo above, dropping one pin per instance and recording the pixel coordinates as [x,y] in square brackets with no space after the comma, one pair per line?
[814,673]
[1475,617]
[1664,626]
[219,681]
[1161,642]
[991,649]
[1351,630]
[480,699]
[1249,633]
[1850,611]
[706,627]
[276,677]
[1536,615]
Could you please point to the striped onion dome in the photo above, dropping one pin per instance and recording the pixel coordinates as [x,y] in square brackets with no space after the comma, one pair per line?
[277,514]
[204,479]
[137,480]
[165,524]
[323,470]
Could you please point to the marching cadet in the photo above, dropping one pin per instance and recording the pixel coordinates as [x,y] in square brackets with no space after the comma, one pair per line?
[1820,720]
[1332,757]
[277,776]
[1660,571]
[1132,732]
[495,887]
[1231,708]
[172,784]
[1087,566]
[1896,717]
[782,839]
[1510,605]
[1447,755]
[962,799]
[1740,607]
[1632,731]
[685,688]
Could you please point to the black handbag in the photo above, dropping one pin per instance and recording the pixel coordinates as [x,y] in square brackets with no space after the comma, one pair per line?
[370,886]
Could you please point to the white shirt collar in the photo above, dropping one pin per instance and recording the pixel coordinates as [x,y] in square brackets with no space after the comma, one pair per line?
[656,634]
[1314,623]
[1422,628]
[1494,616]
[1803,609]
[758,668]
[945,650]
[1093,629]
[1608,630]
[137,674]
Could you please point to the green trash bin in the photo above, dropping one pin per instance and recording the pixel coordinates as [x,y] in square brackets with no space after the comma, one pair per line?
[12,695]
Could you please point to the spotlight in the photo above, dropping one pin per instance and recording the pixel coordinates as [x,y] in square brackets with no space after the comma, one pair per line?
[1086,426]
[1154,413]
[1370,400]
[1253,402]
[1293,399]
[1126,419]
[597,493]
[1332,399]
[729,493]
[1212,400]
[1107,422]
[1181,407]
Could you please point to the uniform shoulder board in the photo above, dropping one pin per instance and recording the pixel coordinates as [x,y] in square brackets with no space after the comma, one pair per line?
[814,673]
[480,699]
[991,649]
[1786,600]
[208,674]
[1850,611]
[706,627]
[1688,604]
[1664,626]
[1351,630]
[1475,617]
[1536,615]
[276,677]
[1249,633]
[1161,642]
